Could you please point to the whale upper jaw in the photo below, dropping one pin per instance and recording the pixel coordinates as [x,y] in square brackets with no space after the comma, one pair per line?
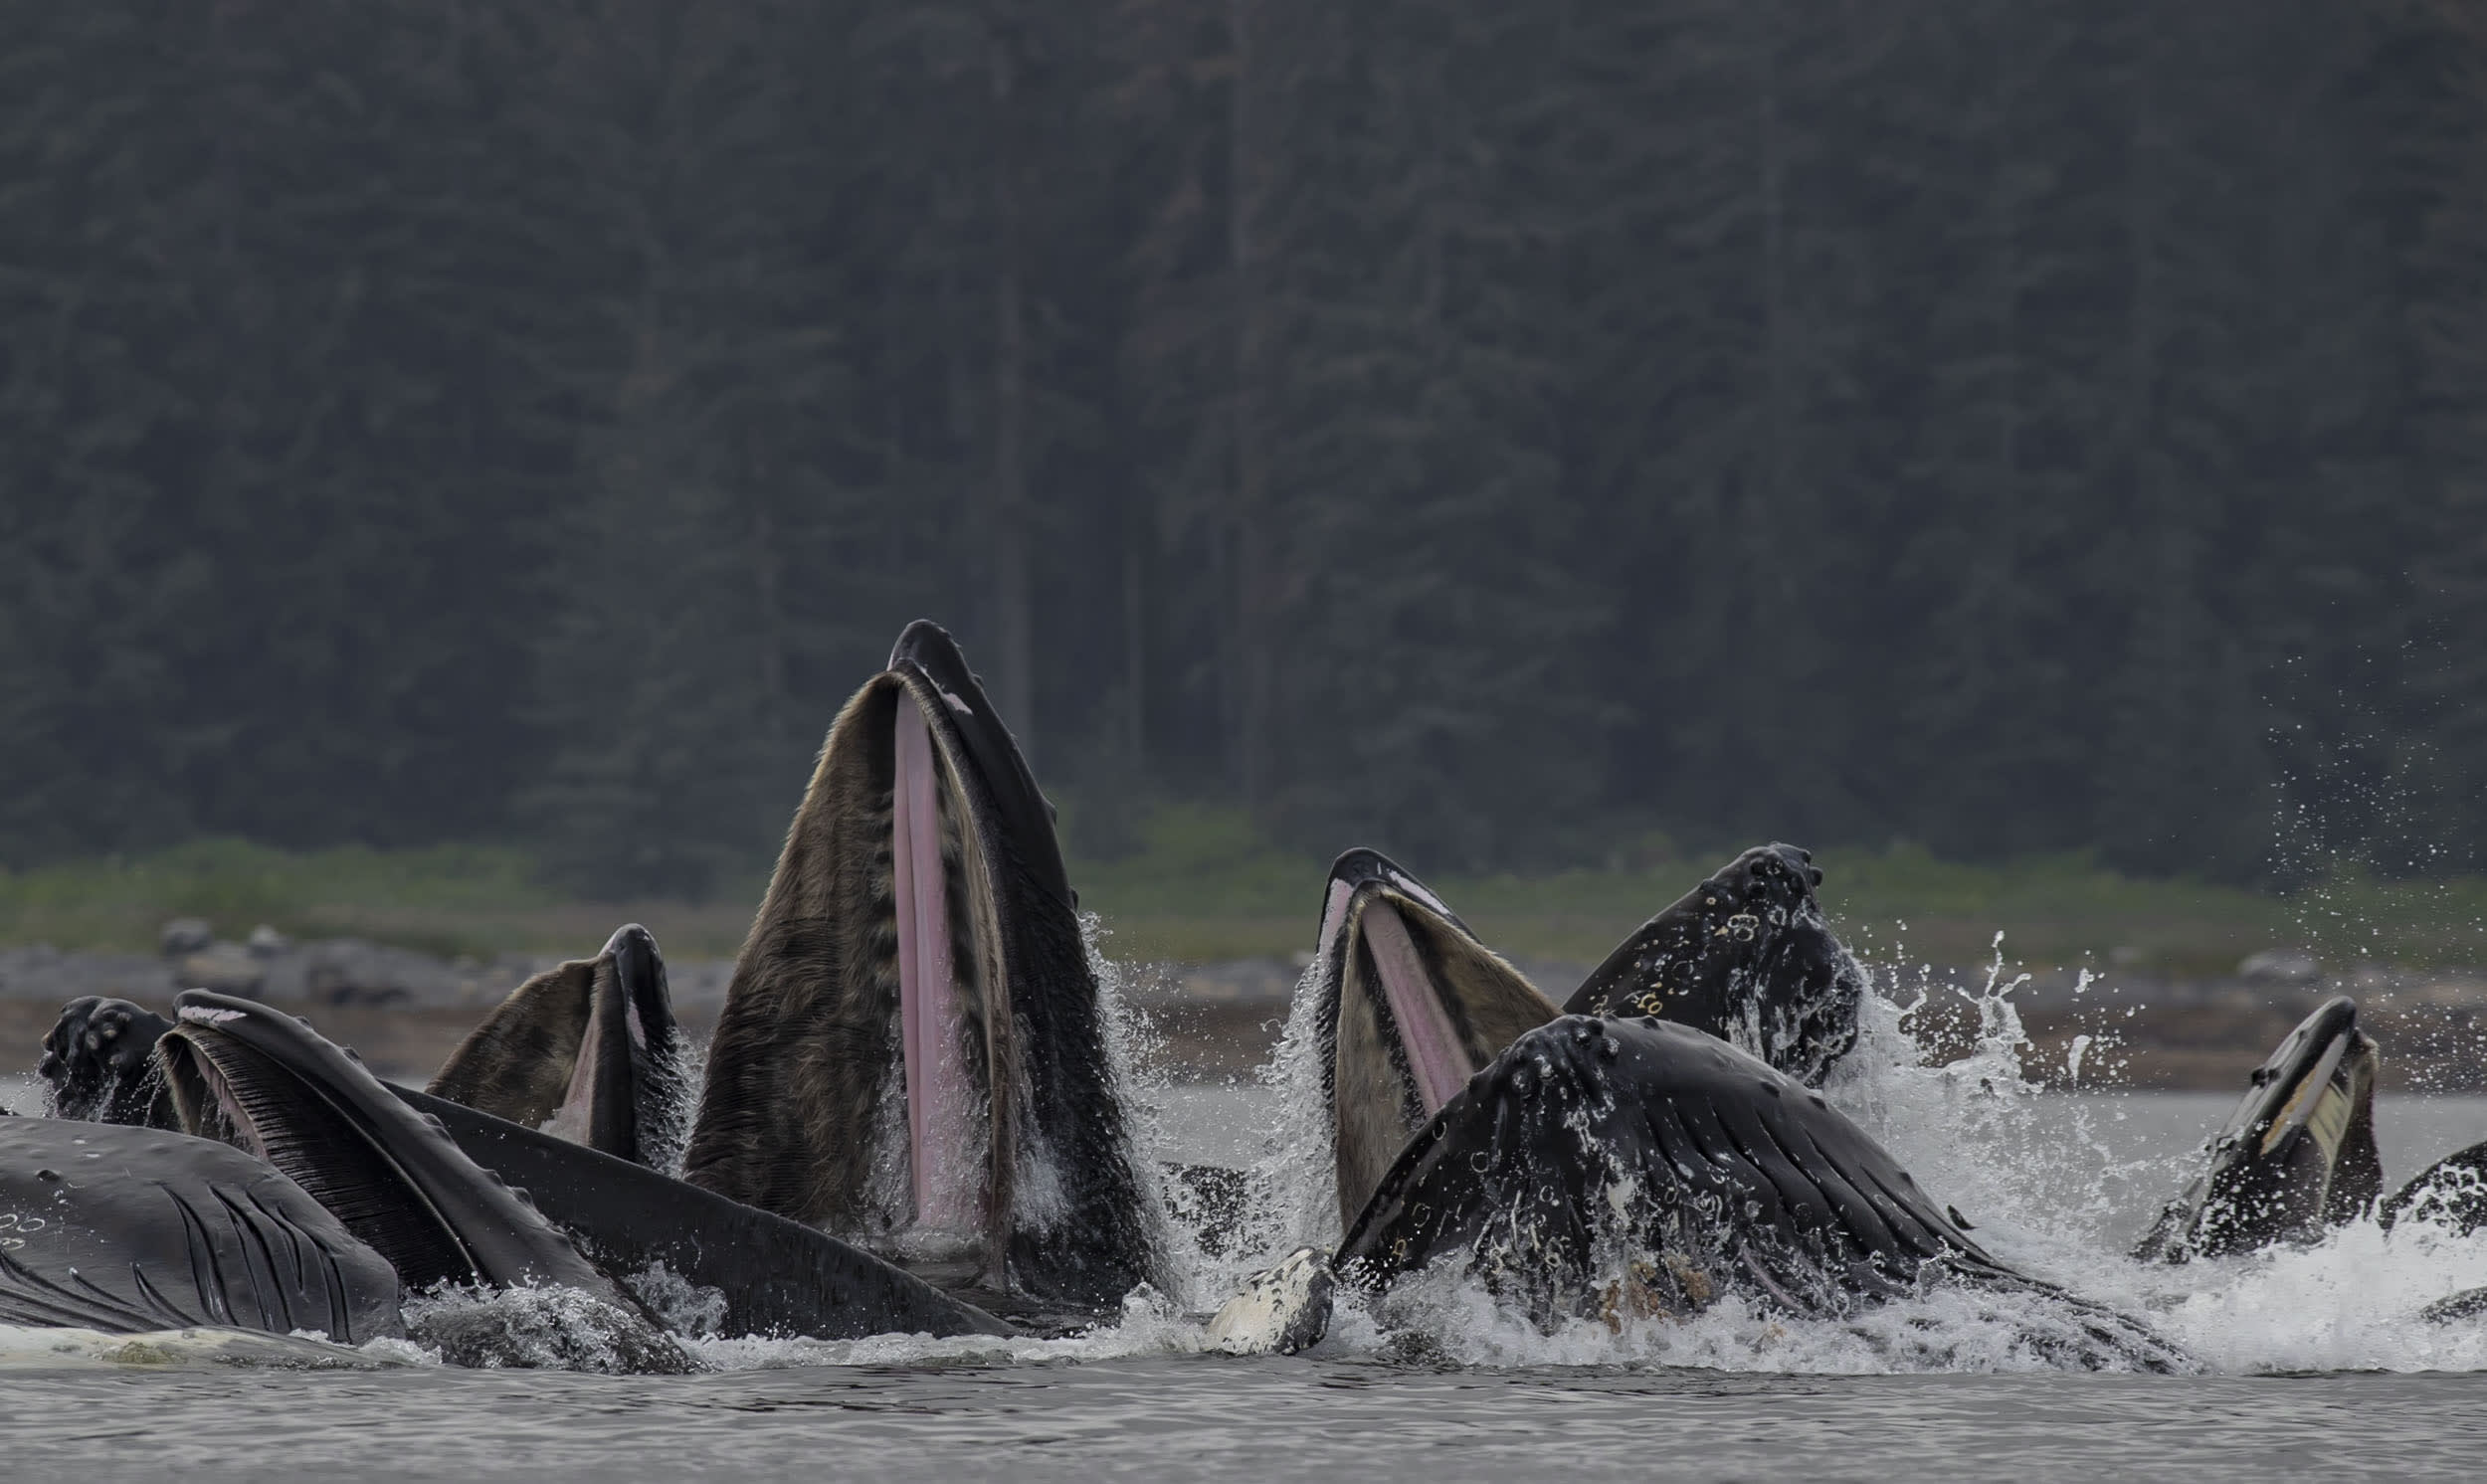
[2295,1158]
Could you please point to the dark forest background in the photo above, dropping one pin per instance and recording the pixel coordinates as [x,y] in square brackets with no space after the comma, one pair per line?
[1493,431]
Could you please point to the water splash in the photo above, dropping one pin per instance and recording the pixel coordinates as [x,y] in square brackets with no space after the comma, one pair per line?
[1294,1181]
[669,1123]
[537,1329]
[2045,1178]
[1137,1072]
[2056,1185]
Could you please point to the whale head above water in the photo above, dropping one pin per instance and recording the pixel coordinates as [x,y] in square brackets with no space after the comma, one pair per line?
[913,1053]
[1746,956]
[2296,1158]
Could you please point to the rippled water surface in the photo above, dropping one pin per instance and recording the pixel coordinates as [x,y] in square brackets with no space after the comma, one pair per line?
[2315,1358]
[1197,1416]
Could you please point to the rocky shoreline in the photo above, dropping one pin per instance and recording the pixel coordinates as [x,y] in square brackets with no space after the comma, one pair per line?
[405,1008]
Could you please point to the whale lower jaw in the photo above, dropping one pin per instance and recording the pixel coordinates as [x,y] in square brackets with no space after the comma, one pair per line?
[1278,1312]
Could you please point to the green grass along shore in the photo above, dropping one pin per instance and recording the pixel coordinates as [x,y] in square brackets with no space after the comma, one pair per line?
[1201,888]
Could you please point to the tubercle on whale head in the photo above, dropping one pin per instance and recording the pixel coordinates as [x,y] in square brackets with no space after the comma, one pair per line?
[1746,955]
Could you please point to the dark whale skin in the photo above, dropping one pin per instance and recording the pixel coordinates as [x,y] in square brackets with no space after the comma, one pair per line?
[2266,1176]
[1748,949]
[776,1276]
[123,1229]
[572,1025]
[1609,1167]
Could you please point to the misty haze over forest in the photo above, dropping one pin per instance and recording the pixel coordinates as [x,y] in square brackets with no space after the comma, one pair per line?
[1491,432]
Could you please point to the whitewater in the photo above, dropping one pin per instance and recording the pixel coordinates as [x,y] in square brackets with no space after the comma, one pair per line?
[2313,1357]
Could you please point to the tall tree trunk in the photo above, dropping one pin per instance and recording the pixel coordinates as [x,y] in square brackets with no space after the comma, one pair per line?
[1254,580]
[1012,608]
[1773,544]
[1136,547]
[2003,561]
[769,609]
[2162,645]
[1767,513]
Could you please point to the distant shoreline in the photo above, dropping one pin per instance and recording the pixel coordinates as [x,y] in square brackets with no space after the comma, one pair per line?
[405,1009]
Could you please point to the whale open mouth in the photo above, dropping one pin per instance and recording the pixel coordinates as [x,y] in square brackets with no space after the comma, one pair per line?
[2296,1157]
[912,1053]
[1411,1006]
[589,1051]
[890,946]
[625,1093]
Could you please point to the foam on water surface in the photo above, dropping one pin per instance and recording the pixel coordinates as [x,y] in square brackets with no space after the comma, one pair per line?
[2056,1182]
[32,1348]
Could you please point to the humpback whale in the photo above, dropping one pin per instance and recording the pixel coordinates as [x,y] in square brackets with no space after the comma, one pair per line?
[126,1229]
[1612,1168]
[1747,957]
[429,1192]
[2452,1193]
[1649,1148]
[2296,1158]
[910,1082]
[301,1195]
[588,1050]
[264,1082]
[1410,1003]
[912,1051]
[98,1063]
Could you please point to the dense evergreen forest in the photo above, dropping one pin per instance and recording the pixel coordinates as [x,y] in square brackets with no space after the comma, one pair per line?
[1495,432]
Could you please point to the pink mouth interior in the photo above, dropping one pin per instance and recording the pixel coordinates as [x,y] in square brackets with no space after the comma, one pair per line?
[1424,1031]
[928,1012]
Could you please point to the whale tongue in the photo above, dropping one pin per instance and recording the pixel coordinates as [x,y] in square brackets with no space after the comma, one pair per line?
[930,1024]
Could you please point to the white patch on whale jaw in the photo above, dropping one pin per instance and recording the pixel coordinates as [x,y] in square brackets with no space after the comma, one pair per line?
[1279,1312]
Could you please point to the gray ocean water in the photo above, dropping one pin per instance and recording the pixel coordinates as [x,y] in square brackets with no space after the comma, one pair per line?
[2318,1366]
